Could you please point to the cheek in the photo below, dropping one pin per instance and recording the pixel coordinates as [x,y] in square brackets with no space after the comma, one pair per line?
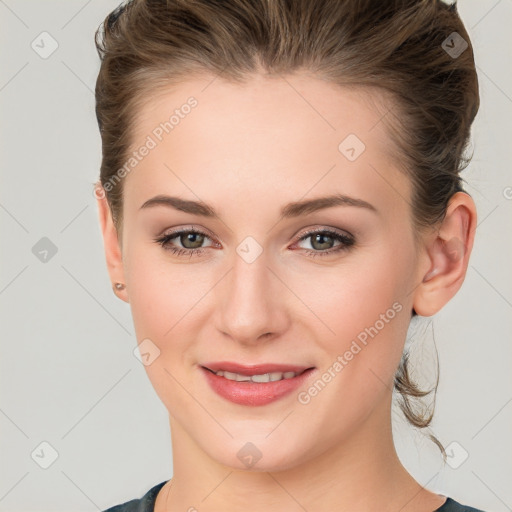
[151,303]
[161,299]
[363,307]
[160,290]
[167,300]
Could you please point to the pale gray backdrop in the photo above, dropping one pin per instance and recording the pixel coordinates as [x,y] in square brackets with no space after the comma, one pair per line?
[81,427]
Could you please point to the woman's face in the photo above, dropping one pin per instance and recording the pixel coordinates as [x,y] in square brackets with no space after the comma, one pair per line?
[264,289]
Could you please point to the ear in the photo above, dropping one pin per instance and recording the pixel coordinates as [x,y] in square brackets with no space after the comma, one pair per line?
[447,256]
[112,246]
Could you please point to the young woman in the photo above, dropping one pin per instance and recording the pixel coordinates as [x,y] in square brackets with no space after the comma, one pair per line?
[279,196]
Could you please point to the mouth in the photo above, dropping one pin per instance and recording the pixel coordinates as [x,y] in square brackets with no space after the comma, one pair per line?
[256,377]
[255,384]
[253,369]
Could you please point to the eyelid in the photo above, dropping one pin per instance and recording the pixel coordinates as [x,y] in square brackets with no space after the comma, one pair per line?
[345,239]
[299,237]
[187,228]
[325,229]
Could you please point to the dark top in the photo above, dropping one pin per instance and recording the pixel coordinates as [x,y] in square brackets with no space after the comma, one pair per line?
[147,503]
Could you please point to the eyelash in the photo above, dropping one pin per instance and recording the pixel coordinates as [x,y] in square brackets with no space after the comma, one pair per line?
[346,242]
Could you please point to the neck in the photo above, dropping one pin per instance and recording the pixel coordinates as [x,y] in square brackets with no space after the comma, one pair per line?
[362,472]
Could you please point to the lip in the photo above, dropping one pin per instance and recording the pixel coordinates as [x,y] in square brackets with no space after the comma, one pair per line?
[254,393]
[255,369]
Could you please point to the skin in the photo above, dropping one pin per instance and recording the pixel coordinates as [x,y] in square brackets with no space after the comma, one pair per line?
[248,150]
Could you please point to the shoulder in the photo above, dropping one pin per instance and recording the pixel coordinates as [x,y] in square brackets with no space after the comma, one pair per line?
[144,504]
[450,505]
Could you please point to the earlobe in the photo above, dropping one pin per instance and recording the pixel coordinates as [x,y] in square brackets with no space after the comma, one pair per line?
[448,254]
[113,252]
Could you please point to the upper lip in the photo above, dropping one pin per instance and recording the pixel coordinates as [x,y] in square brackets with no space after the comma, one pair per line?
[255,369]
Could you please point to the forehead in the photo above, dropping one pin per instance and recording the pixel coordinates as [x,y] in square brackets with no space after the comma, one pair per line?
[268,105]
[291,133]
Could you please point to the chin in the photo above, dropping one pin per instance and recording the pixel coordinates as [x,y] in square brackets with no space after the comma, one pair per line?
[263,455]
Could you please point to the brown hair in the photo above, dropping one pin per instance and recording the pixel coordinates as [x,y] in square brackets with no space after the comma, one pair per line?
[405,48]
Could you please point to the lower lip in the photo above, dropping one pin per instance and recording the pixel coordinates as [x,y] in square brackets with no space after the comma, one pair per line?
[253,393]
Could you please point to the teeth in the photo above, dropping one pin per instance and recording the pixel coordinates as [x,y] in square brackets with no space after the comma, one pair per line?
[266,377]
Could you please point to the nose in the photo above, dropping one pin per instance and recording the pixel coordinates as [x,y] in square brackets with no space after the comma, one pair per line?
[251,302]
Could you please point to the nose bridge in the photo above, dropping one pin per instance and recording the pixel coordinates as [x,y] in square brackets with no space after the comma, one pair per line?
[250,302]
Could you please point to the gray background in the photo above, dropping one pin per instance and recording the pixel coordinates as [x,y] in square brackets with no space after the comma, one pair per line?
[68,376]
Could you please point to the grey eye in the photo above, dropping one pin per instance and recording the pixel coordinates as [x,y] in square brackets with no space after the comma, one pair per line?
[194,239]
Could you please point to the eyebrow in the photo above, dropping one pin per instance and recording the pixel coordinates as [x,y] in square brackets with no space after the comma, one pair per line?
[295,209]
